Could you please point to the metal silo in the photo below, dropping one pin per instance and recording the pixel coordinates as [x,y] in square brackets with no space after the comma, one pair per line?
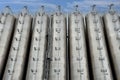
[98,51]
[78,52]
[112,28]
[6,27]
[58,47]
[36,63]
[18,51]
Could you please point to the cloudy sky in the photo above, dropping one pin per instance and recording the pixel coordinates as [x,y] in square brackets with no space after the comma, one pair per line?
[67,5]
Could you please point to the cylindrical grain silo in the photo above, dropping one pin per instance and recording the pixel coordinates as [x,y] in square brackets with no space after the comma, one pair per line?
[112,28]
[15,67]
[78,52]
[98,51]
[36,63]
[6,27]
[58,47]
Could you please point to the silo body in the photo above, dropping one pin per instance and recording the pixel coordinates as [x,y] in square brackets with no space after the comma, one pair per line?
[36,62]
[98,51]
[78,51]
[15,66]
[58,48]
[6,28]
[112,28]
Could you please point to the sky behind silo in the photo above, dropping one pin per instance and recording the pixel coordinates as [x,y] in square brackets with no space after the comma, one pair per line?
[67,5]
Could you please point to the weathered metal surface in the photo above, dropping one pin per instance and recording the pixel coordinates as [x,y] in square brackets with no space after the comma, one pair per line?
[6,28]
[98,51]
[38,48]
[58,54]
[78,52]
[112,28]
[18,52]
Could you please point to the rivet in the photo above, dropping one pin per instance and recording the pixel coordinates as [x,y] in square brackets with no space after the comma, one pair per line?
[103,70]
[99,48]
[35,48]
[38,30]
[79,58]
[101,58]
[114,20]
[58,30]
[76,21]
[57,38]
[57,59]
[78,47]
[77,30]
[78,38]
[95,21]
[58,21]
[98,38]
[57,48]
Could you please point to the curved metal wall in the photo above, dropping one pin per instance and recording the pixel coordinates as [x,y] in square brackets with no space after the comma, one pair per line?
[18,52]
[98,50]
[38,48]
[112,28]
[6,29]
[58,53]
[78,52]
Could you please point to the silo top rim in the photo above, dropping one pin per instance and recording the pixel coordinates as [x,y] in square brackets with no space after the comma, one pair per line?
[7,10]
